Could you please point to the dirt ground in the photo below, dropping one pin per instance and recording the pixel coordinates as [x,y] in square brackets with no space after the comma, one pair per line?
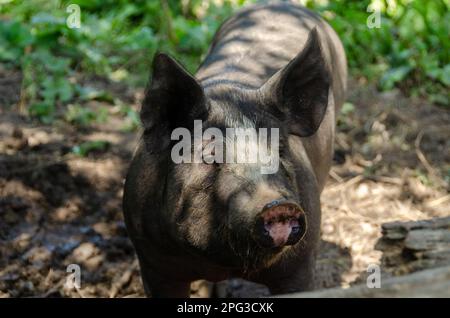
[392,162]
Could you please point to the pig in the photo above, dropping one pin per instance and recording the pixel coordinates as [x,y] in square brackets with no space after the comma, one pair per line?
[271,65]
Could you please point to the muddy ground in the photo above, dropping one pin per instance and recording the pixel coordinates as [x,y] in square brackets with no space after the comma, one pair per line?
[392,162]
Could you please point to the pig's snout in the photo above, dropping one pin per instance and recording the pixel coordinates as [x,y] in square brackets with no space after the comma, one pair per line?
[280,224]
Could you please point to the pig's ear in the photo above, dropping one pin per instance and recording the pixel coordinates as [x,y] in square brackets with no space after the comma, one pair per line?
[173,98]
[298,93]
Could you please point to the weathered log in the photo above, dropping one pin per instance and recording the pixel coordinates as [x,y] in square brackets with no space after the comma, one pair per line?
[418,247]
[428,283]
[398,230]
[415,245]
[425,240]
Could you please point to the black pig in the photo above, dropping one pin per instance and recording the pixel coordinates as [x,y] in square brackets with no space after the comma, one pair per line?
[274,66]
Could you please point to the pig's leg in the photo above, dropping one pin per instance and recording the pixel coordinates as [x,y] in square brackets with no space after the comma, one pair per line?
[289,275]
[158,285]
[170,289]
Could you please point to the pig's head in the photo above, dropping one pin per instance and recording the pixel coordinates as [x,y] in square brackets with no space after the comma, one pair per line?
[233,213]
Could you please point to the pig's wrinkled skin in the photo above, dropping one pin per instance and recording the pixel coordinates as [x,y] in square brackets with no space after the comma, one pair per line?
[275,65]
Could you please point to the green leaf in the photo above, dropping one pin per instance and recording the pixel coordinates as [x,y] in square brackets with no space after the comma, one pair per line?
[347,108]
[445,75]
[87,147]
[44,111]
[440,99]
[393,76]
[91,93]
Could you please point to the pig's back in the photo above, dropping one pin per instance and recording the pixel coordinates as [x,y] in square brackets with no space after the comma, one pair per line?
[260,40]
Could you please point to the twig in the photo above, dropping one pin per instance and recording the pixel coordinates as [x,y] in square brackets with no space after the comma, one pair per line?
[80,293]
[438,201]
[55,288]
[123,280]
[335,176]
[166,11]
[347,183]
[390,180]
[420,154]
[424,160]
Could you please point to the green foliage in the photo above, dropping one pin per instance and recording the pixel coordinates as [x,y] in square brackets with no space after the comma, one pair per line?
[14,37]
[347,109]
[118,38]
[131,118]
[409,50]
[89,93]
[83,116]
[87,147]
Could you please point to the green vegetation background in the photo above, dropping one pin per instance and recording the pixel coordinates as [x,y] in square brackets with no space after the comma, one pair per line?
[118,38]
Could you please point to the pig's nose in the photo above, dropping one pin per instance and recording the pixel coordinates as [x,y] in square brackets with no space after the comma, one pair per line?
[280,223]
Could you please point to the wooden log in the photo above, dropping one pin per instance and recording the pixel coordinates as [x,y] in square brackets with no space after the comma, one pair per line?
[399,230]
[427,283]
[415,245]
[420,249]
[426,240]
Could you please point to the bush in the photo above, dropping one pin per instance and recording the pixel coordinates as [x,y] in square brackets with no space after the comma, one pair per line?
[410,50]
